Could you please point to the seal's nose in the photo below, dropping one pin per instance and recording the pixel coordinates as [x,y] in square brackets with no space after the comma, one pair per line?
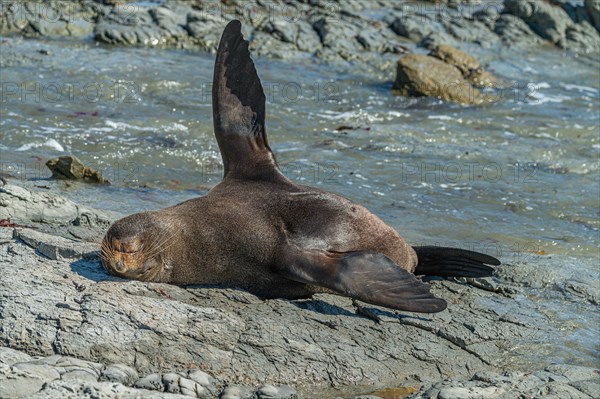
[119,266]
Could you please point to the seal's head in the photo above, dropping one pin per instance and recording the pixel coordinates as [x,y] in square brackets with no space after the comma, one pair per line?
[135,247]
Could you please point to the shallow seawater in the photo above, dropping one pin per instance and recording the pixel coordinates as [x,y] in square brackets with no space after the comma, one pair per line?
[517,177]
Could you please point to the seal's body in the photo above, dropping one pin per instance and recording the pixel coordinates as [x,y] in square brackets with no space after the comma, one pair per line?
[260,231]
[243,229]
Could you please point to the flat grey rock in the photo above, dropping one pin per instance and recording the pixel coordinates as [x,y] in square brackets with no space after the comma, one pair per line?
[23,379]
[238,392]
[576,383]
[272,392]
[97,390]
[56,248]
[9,356]
[71,329]
[120,373]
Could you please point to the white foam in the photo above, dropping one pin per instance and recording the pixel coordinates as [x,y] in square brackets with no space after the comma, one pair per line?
[349,115]
[440,117]
[175,127]
[543,85]
[172,127]
[123,126]
[48,143]
[530,69]
[169,84]
[579,88]
[398,114]
[540,98]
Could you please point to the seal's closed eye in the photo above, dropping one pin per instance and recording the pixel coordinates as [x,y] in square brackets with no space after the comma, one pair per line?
[127,246]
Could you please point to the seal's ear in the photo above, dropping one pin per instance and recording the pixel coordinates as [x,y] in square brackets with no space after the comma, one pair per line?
[239,111]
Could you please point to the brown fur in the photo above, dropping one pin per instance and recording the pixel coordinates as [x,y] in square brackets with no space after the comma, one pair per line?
[232,236]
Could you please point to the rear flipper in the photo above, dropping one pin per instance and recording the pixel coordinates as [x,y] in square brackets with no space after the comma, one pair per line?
[368,276]
[453,262]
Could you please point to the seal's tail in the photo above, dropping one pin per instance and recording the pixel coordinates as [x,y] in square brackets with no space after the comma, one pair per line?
[453,262]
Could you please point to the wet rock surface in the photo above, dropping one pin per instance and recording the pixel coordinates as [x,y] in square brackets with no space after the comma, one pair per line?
[558,381]
[592,8]
[70,328]
[553,23]
[347,29]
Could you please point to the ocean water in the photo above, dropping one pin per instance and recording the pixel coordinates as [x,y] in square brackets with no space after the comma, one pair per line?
[514,178]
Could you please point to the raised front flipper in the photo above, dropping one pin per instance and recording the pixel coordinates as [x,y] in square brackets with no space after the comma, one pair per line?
[239,111]
[368,276]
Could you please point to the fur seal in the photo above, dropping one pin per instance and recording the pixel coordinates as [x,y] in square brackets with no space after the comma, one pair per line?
[257,230]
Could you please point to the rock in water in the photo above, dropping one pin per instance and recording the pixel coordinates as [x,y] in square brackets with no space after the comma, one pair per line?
[422,75]
[66,167]
[71,168]
[468,65]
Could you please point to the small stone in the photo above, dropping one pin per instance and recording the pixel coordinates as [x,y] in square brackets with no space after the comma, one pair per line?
[152,382]
[237,392]
[171,382]
[11,356]
[120,373]
[272,392]
[78,375]
[191,388]
[484,283]
[24,379]
[201,378]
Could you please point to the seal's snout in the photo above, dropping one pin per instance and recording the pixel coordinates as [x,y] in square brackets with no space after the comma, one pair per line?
[121,255]
[120,266]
